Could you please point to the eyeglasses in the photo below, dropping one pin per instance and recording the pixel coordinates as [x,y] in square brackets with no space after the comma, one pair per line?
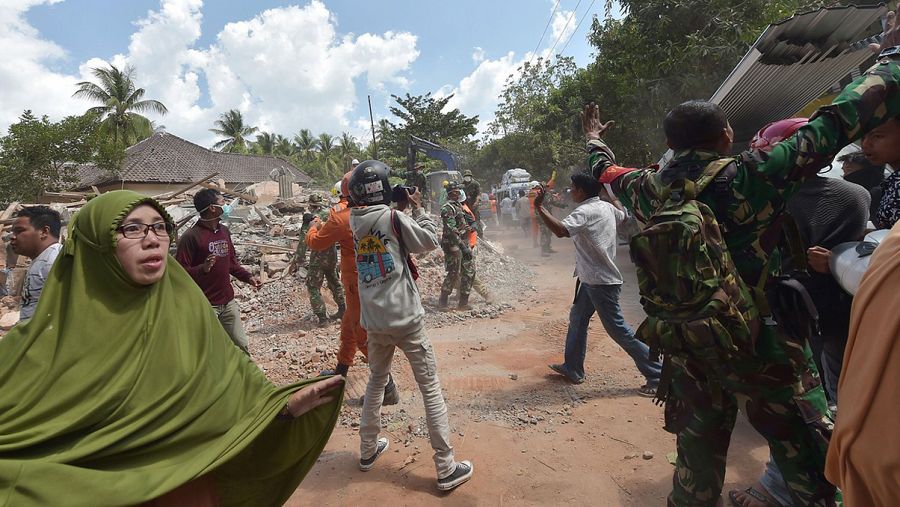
[140,231]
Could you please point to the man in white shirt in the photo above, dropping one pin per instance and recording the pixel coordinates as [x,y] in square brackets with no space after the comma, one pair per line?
[35,234]
[592,226]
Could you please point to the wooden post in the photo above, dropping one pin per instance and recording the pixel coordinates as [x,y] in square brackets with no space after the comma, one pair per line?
[188,187]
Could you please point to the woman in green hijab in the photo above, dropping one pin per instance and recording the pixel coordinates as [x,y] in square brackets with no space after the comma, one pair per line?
[124,389]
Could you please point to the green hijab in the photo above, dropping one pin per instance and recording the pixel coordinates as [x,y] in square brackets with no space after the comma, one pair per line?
[116,393]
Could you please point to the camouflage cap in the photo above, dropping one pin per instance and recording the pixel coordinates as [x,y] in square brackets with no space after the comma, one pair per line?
[315,199]
[467,173]
[453,185]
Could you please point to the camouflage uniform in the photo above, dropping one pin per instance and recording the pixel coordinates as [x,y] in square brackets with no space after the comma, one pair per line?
[552,201]
[473,193]
[322,267]
[772,380]
[459,259]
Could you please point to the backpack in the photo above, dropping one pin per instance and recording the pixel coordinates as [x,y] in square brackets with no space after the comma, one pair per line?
[689,286]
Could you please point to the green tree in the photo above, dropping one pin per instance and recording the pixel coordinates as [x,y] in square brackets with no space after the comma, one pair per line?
[327,153]
[284,147]
[347,148]
[265,143]
[306,144]
[38,155]
[663,53]
[122,102]
[424,116]
[231,126]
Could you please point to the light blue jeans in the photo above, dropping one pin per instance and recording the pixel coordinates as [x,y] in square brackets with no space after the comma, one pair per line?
[604,300]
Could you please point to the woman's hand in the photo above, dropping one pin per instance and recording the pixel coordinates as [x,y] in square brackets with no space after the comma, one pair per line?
[313,395]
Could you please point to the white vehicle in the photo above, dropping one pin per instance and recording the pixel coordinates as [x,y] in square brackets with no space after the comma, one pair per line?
[514,182]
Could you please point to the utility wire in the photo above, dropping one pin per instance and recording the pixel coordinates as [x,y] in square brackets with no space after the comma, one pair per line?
[564,28]
[563,50]
[545,31]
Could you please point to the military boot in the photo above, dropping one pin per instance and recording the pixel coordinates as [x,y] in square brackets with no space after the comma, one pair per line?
[323,319]
[391,393]
[463,302]
[340,312]
[442,301]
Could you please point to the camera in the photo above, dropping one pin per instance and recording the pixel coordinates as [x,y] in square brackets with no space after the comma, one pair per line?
[399,192]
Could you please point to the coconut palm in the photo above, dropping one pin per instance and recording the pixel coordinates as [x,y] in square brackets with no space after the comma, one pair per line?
[327,154]
[265,143]
[121,103]
[231,126]
[283,146]
[306,144]
[347,148]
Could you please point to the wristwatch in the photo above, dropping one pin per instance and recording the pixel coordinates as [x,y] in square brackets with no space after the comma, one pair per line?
[891,53]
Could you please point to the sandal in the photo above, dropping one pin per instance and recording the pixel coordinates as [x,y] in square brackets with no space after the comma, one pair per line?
[648,390]
[751,491]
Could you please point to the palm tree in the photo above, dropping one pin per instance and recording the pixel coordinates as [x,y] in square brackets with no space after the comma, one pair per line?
[231,126]
[283,146]
[348,148]
[327,153]
[121,104]
[306,144]
[265,143]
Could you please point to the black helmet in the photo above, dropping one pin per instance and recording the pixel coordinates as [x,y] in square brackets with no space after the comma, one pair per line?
[369,183]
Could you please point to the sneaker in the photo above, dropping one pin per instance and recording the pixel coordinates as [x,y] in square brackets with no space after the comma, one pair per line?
[562,370]
[462,474]
[366,464]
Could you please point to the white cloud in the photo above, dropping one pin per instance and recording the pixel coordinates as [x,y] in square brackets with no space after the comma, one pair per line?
[563,25]
[284,69]
[26,81]
[478,92]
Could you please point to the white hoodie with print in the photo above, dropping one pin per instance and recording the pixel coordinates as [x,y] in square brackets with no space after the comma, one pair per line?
[388,296]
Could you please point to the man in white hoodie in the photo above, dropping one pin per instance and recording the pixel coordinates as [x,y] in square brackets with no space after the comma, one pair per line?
[392,313]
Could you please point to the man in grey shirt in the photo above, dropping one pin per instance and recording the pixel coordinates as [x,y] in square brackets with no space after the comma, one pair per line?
[592,226]
[35,234]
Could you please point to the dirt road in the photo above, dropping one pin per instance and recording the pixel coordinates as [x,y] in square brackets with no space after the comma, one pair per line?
[534,439]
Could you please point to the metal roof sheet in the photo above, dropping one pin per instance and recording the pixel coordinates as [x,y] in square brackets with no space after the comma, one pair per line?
[796,61]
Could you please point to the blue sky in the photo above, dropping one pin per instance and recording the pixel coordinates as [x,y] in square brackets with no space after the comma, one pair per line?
[285,65]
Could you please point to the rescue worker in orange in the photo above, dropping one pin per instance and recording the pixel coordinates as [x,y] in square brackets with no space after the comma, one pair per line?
[322,236]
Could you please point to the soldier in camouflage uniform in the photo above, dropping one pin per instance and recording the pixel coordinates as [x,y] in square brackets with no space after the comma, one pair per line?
[472,188]
[322,266]
[770,377]
[552,201]
[459,256]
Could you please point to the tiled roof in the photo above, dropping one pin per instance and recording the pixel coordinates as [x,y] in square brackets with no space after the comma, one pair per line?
[165,158]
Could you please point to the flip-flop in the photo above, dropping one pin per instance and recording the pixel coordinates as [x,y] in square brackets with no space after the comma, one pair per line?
[732,496]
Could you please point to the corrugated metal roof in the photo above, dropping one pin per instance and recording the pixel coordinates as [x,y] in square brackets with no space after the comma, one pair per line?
[794,62]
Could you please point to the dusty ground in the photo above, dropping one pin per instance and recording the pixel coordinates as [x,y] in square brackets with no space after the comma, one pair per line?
[533,438]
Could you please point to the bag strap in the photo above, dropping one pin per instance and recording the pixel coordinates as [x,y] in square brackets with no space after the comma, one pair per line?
[395,225]
[684,189]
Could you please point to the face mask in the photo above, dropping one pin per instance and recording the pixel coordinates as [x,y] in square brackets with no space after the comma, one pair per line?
[462,195]
[467,179]
[226,211]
